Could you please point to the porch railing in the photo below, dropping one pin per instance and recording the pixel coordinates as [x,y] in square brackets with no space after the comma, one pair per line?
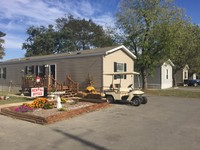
[50,83]
[73,86]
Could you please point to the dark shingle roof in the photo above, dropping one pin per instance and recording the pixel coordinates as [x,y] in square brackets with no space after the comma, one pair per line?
[82,53]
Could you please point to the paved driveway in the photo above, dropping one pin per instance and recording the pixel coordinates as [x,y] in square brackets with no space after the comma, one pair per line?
[165,123]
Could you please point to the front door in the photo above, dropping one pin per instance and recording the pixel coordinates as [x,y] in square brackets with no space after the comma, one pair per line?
[52,75]
[52,71]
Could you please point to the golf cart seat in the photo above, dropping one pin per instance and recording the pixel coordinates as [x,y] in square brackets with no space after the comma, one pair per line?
[114,86]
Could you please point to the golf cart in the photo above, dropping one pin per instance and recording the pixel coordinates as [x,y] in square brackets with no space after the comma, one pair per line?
[131,95]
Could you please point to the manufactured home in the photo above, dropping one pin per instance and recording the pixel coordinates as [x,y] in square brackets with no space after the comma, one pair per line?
[79,66]
[162,77]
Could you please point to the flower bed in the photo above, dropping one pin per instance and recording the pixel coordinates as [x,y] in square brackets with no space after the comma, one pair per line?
[47,116]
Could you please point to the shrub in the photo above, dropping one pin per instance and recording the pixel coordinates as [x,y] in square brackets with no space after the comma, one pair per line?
[24,108]
[42,103]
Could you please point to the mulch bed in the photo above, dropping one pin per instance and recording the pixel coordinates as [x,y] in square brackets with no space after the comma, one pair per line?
[47,116]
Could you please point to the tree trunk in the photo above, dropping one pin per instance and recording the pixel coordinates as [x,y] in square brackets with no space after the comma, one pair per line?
[174,79]
[144,78]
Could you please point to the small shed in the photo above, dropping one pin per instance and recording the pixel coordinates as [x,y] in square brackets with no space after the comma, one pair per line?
[162,78]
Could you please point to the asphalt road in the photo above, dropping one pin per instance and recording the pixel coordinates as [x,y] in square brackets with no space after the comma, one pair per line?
[164,123]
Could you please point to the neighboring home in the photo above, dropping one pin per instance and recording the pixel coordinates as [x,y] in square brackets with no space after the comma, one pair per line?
[194,76]
[182,75]
[162,77]
[79,65]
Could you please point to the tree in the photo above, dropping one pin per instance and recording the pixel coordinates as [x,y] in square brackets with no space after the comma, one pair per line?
[2,53]
[69,34]
[84,34]
[41,41]
[186,49]
[148,27]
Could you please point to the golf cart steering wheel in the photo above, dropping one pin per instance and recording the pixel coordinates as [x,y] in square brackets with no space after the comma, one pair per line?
[130,86]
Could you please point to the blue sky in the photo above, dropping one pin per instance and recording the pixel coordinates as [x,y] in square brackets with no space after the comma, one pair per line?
[17,15]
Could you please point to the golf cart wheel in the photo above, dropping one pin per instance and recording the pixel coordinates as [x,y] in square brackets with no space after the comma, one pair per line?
[135,101]
[110,99]
[144,100]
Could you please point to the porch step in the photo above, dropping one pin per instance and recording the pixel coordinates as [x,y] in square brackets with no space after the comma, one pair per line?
[69,94]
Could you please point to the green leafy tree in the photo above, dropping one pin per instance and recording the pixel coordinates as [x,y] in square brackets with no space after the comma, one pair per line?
[40,41]
[69,34]
[148,27]
[2,53]
[186,49]
[84,34]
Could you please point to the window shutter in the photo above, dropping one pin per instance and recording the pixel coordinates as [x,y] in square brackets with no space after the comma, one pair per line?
[44,70]
[36,70]
[26,70]
[4,73]
[124,70]
[115,70]
[115,66]
[32,69]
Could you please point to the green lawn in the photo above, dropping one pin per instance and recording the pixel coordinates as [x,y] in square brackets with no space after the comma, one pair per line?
[174,92]
[167,92]
[13,99]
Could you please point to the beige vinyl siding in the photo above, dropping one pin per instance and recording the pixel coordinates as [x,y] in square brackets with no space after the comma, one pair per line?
[13,72]
[80,69]
[108,67]
[80,65]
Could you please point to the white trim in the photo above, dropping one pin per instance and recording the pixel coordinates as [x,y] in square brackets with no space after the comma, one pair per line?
[122,73]
[125,50]
[170,62]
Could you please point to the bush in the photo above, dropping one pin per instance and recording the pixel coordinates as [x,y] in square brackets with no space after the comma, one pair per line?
[42,103]
[24,108]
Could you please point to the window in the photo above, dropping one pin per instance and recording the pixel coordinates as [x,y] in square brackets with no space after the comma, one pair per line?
[40,70]
[4,73]
[167,74]
[120,67]
[185,75]
[29,70]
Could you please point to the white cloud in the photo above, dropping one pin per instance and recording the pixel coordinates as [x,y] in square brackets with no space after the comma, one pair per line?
[86,8]
[17,15]
[105,20]
[13,41]
[36,10]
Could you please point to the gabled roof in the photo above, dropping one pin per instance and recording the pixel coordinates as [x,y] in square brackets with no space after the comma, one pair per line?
[186,67]
[82,53]
[169,62]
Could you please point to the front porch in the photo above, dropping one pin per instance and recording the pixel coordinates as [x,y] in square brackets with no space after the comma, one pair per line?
[49,84]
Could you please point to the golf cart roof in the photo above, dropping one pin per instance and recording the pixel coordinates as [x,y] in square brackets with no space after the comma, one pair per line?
[122,73]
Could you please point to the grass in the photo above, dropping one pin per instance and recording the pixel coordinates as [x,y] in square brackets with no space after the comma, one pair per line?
[12,98]
[174,92]
[167,92]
